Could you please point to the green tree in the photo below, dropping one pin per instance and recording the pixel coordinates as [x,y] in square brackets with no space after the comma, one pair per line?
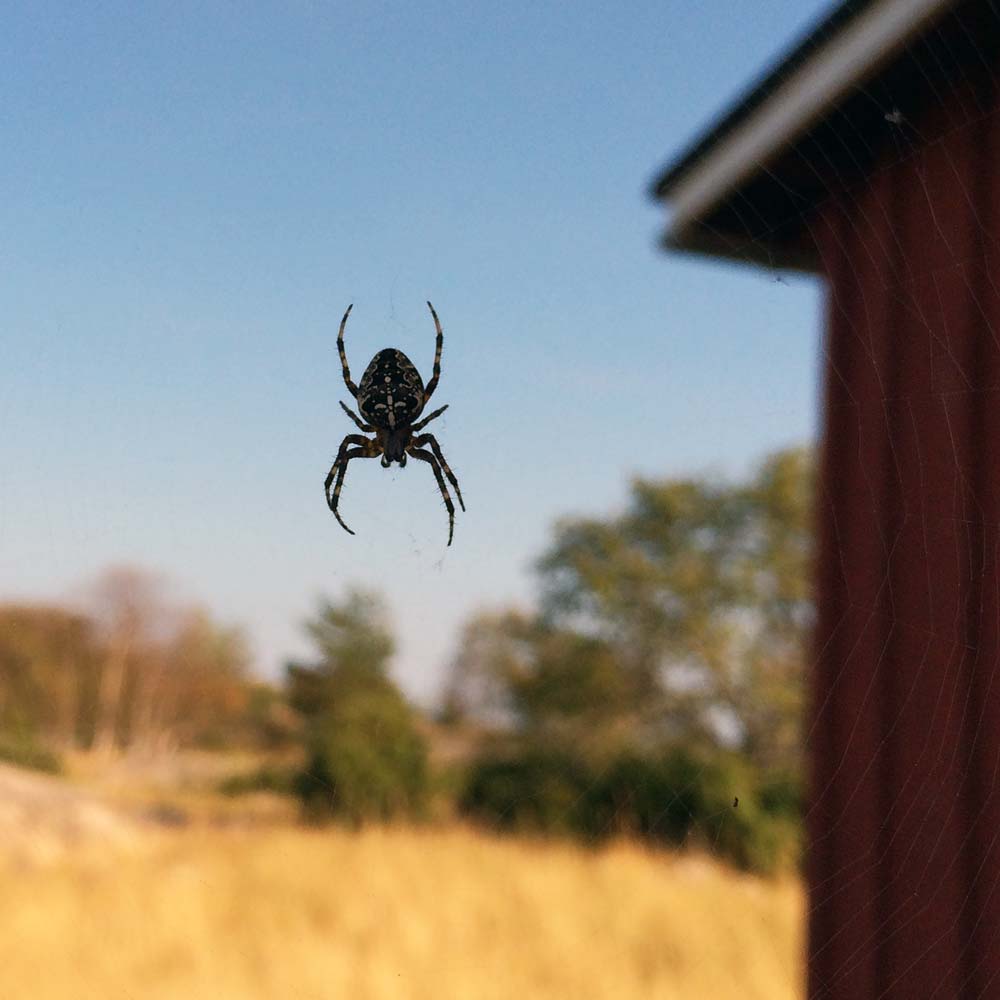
[702,590]
[366,758]
[553,685]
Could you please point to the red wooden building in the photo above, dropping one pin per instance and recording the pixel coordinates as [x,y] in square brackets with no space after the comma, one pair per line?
[871,156]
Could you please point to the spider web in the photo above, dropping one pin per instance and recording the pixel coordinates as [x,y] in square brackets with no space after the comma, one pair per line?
[903,732]
[904,729]
[903,808]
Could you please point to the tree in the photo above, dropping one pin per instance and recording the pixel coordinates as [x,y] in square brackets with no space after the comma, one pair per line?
[169,676]
[49,669]
[133,673]
[553,685]
[201,695]
[661,678]
[366,758]
[128,608]
[701,589]
[354,646]
[494,649]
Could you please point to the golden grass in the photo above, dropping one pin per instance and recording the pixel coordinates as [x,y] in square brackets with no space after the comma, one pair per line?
[392,913]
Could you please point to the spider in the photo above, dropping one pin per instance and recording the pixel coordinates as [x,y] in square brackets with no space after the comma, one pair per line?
[390,397]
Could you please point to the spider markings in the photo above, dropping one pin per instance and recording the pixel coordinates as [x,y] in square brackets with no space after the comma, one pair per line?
[390,397]
[391,390]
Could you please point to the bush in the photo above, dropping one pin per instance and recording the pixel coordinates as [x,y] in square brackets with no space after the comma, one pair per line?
[25,752]
[366,761]
[781,795]
[658,799]
[265,779]
[678,798]
[537,792]
[746,834]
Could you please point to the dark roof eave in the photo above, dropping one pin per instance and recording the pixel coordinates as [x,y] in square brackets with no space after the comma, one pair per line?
[758,92]
[800,99]
[799,257]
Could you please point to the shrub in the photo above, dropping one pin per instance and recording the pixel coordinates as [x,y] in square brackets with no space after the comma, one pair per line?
[264,779]
[653,798]
[366,760]
[22,751]
[781,795]
[538,792]
[676,798]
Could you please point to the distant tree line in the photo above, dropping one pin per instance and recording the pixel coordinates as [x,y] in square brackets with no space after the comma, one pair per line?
[655,691]
[125,671]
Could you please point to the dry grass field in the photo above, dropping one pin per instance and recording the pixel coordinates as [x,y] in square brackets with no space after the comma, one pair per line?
[428,914]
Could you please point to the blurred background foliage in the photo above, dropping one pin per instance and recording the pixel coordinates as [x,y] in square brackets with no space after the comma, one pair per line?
[124,672]
[365,758]
[661,679]
[654,692]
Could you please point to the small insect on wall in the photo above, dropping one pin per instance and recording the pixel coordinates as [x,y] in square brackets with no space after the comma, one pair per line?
[390,397]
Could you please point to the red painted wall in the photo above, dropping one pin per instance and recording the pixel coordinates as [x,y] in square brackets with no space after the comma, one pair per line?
[904,732]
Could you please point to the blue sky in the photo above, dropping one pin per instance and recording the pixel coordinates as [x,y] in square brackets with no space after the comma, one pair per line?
[193,193]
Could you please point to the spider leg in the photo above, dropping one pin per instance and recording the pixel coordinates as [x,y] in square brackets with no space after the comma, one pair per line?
[361,424]
[352,388]
[419,442]
[339,468]
[423,423]
[436,374]
[426,456]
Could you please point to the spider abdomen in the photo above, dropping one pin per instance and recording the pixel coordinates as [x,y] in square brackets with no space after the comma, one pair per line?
[391,392]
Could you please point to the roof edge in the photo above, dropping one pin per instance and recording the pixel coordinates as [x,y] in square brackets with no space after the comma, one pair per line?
[751,96]
[844,51]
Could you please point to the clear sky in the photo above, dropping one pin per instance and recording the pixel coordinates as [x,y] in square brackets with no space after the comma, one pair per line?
[194,192]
